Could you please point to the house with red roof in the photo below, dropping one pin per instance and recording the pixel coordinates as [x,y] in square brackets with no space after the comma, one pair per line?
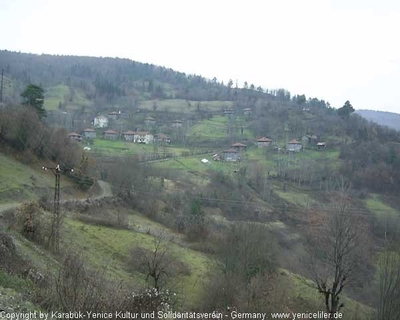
[294,145]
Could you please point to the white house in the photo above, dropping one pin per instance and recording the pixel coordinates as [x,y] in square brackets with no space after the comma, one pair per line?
[143,137]
[100,122]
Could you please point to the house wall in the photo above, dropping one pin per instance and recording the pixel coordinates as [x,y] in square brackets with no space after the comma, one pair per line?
[90,135]
[100,122]
[231,156]
[263,144]
[148,138]
[129,137]
[110,136]
[294,147]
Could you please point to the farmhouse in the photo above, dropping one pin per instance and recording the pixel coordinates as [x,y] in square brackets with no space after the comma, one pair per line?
[247,111]
[114,115]
[143,137]
[128,135]
[100,122]
[264,142]
[89,133]
[294,145]
[239,146]
[231,155]
[149,121]
[75,136]
[177,123]
[229,111]
[162,139]
[110,135]
[309,139]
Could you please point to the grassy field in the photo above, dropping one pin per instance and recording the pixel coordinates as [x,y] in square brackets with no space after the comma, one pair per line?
[194,164]
[120,147]
[109,248]
[217,128]
[302,290]
[379,208]
[21,182]
[54,95]
[294,196]
[186,106]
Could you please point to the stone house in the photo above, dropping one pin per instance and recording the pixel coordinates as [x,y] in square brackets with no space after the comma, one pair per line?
[110,135]
[75,136]
[294,146]
[89,133]
[231,155]
[264,142]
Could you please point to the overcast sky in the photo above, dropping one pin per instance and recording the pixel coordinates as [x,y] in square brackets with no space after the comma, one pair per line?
[334,50]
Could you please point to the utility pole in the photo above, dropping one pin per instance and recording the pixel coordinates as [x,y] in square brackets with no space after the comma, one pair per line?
[54,238]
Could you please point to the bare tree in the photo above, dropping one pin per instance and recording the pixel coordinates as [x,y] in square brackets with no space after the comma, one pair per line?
[389,285]
[334,245]
[156,263]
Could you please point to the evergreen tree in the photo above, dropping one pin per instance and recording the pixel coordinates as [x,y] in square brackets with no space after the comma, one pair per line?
[346,110]
[33,96]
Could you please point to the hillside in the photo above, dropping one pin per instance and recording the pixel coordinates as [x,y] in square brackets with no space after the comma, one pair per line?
[389,119]
[224,196]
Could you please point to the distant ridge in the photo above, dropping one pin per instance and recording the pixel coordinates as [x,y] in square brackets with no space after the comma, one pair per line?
[390,119]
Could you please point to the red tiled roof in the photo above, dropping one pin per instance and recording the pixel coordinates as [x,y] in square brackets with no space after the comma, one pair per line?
[264,139]
[89,130]
[162,136]
[141,133]
[230,151]
[238,144]
[73,134]
[129,132]
[294,141]
[109,132]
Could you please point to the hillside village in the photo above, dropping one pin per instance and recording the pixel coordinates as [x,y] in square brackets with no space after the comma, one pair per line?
[108,127]
[176,192]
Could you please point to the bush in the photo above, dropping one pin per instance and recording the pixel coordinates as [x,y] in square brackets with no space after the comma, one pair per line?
[32,223]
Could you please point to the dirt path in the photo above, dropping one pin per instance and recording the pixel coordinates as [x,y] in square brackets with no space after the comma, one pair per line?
[105,191]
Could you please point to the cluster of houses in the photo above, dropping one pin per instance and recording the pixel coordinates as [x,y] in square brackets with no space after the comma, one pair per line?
[231,111]
[237,149]
[102,122]
[234,153]
[131,136]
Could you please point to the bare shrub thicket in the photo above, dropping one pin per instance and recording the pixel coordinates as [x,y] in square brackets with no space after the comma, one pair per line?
[32,222]
[248,255]
[158,263]
[10,260]
[75,287]
[104,215]
[388,307]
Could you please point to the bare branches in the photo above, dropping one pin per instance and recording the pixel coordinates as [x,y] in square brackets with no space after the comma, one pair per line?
[389,285]
[334,248]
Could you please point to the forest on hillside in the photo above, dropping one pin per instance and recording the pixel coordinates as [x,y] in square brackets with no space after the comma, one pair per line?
[98,85]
